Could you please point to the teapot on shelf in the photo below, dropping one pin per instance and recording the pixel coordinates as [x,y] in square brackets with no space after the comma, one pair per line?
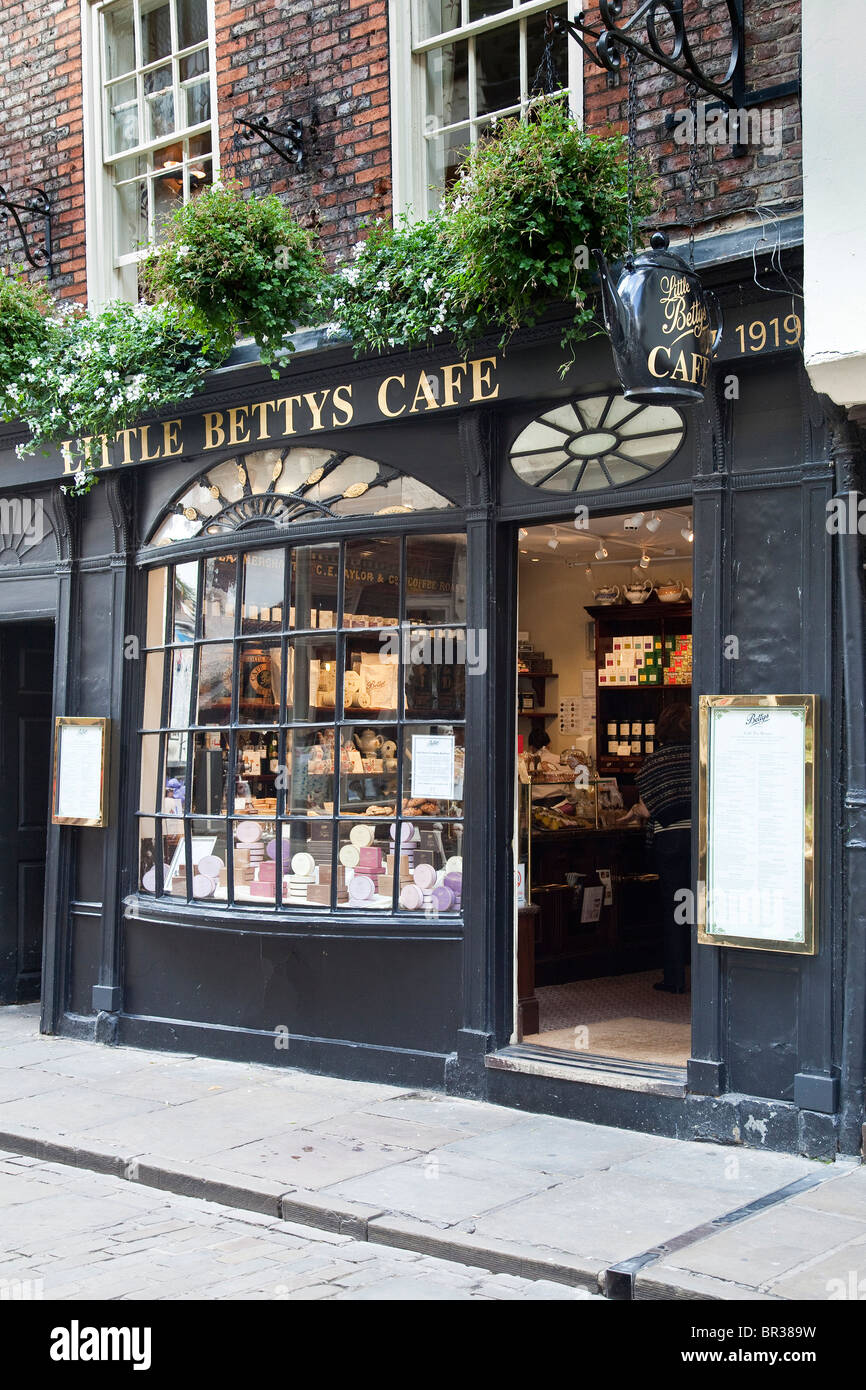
[609,593]
[368,743]
[638,591]
[672,591]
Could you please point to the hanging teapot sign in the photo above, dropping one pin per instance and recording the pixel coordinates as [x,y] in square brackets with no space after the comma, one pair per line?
[664,326]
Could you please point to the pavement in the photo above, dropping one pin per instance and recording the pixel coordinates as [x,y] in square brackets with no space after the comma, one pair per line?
[583,1207]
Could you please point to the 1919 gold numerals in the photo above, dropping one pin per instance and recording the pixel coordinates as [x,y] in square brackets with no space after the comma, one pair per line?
[776,333]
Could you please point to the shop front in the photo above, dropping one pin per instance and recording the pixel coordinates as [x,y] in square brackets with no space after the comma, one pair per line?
[305,608]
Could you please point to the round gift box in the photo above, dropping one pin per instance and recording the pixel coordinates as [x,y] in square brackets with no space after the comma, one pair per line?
[442,898]
[210,865]
[425,876]
[303,864]
[202,886]
[248,832]
[148,878]
[410,897]
[350,856]
[362,835]
[361,888]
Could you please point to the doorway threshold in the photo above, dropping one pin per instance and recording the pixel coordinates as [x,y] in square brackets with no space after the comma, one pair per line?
[651,1078]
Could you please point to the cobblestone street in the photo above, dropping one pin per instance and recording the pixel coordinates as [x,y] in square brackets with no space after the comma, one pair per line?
[73,1234]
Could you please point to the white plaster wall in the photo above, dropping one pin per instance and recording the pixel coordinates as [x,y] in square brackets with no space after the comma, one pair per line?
[834,197]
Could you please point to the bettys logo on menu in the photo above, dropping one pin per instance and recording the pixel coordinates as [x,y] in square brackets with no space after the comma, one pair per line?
[757,720]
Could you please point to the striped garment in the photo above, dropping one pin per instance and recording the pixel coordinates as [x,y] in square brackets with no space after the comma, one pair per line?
[665,785]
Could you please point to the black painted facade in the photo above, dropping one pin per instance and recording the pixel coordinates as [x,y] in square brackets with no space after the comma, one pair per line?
[777,1053]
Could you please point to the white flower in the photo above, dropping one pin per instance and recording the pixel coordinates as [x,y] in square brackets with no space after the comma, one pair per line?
[181,251]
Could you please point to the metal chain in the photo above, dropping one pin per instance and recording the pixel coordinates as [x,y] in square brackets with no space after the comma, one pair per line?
[632,151]
[546,79]
[692,185]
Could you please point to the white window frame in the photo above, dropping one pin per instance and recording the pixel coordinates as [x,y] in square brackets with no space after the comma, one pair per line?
[408,89]
[105,270]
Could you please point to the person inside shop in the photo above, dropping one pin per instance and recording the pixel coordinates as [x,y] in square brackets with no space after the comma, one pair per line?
[664,785]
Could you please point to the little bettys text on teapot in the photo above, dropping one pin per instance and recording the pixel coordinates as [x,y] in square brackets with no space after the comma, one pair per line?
[664,326]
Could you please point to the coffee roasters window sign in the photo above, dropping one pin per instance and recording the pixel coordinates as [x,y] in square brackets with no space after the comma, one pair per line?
[302,741]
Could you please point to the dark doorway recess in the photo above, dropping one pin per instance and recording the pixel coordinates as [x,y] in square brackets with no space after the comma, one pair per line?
[26,677]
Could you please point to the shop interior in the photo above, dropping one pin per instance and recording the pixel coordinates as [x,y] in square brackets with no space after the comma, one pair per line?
[604,645]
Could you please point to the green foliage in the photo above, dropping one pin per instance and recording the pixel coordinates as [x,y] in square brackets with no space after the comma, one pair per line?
[243,263]
[89,375]
[528,198]
[400,289]
[25,330]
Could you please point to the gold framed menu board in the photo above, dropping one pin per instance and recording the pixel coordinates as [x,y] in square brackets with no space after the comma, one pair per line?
[80,771]
[757,822]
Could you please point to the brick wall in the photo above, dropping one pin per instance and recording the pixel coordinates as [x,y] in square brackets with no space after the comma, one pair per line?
[41,128]
[325,63]
[727,186]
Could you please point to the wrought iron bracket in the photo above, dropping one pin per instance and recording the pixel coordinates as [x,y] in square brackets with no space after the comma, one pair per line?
[286,140]
[605,48]
[31,203]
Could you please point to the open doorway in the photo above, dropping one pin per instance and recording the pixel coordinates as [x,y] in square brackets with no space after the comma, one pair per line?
[603,685]
[26,679]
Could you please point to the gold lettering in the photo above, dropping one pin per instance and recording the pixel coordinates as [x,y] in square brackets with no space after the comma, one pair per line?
[345,405]
[237,422]
[214,434]
[287,406]
[261,409]
[680,371]
[481,368]
[127,437]
[426,391]
[449,383]
[651,360]
[384,408]
[146,455]
[66,455]
[316,407]
[171,439]
[106,461]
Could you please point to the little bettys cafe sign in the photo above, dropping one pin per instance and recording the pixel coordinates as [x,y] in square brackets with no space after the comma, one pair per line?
[664,326]
[402,394]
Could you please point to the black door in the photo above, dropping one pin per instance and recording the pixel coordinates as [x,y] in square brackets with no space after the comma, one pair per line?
[26,674]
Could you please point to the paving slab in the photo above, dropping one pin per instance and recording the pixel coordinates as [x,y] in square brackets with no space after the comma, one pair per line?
[844,1195]
[362,1127]
[73,1110]
[557,1147]
[466,1116]
[310,1159]
[608,1216]
[441,1187]
[838,1276]
[739,1175]
[762,1249]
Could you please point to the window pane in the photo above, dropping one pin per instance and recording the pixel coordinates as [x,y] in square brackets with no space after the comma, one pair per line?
[157,583]
[119,42]
[155,33]
[536,39]
[159,102]
[220,590]
[167,193]
[185,601]
[367,860]
[371,674]
[150,794]
[497,66]
[445,154]
[310,764]
[153,672]
[173,778]
[191,22]
[180,661]
[147,854]
[209,773]
[431,869]
[215,684]
[430,17]
[371,595]
[311,679]
[255,860]
[131,227]
[122,116]
[259,668]
[209,858]
[264,579]
[436,579]
[371,756]
[174,855]
[435,672]
[448,84]
[315,571]
[197,96]
[483,9]
[433,761]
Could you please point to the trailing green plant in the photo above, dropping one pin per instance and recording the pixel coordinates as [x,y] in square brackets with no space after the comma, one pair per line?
[400,290]
[87,376]
[25,330]
[244,263]
[531,199]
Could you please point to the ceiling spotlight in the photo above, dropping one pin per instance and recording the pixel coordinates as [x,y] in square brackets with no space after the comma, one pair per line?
[601,553]
[687,534]
[634,523]
[534,560]
[553,543]
[653,524]
[588,572]
[644,561]
[523,533]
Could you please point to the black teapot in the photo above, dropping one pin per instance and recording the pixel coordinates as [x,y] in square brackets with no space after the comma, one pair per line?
[664,326]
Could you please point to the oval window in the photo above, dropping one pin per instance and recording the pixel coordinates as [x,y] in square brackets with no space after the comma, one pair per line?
[595,442]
